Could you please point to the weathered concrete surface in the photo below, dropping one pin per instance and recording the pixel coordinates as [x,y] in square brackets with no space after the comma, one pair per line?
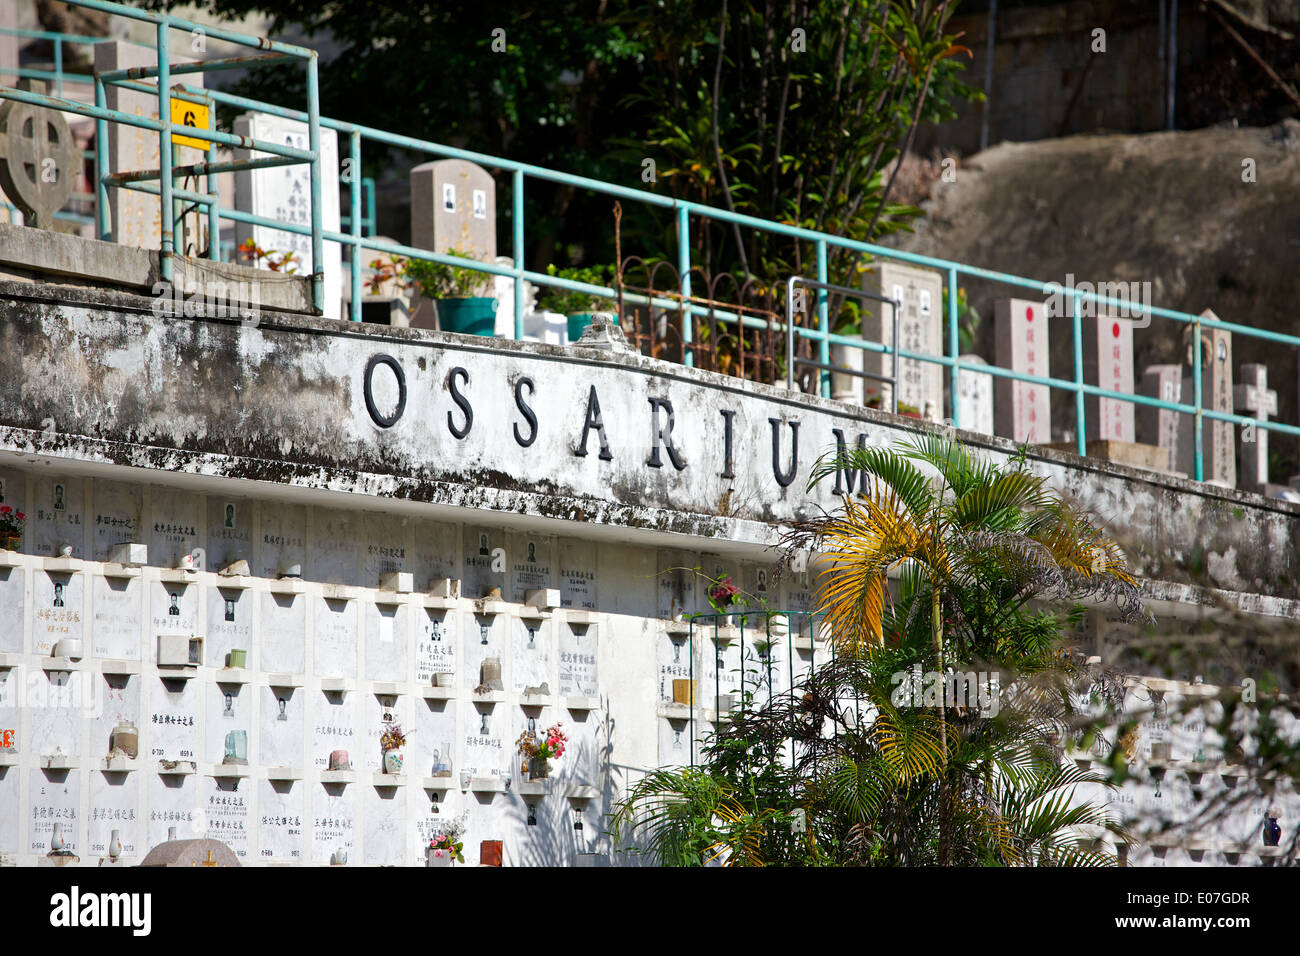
[92,376]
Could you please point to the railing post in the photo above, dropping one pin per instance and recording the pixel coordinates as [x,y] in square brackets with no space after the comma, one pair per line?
[824,321]
[517,244]
[58,66]
[684,272]
[1082,444]
[167,242]
[102,220]
[214,210]
[313,140]
[1198,420]
[354,181]
[954,349]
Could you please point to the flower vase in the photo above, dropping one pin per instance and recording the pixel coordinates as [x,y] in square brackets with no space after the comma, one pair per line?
[393,761]
[434,857]
[13,542]
[115,845]
[57,843]
[539,768]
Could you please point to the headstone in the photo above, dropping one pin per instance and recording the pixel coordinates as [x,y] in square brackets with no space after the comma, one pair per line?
[38,161]
[920,384]
[1108,364]
[204,852]
[284,193]
[135,217]
[453,207]
[1253,397]
[975,397]
[1022,410]
[1159,426]
[1218,441]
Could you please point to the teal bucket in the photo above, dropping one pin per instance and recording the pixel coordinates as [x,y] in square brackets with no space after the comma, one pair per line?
[476,315]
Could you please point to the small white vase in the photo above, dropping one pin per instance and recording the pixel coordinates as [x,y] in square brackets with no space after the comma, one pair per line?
[115,845]
[57,842]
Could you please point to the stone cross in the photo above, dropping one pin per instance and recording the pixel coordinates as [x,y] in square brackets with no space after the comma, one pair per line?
[975,397]
[920,384]
[1108,364]
[283,193]
[1159,426]
[453,207]
[1255,398]
[1218,443]
[1022,409]
[38,161]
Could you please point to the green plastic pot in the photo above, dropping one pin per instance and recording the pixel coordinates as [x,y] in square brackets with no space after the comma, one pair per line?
[577,323]
[471,315]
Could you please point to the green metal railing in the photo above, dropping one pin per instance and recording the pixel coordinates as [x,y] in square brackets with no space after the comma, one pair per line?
[686,213]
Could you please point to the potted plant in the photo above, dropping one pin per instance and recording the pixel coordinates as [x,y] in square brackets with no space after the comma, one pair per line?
[392,743]
[538,754]
[580,307]
[453,288]
[11,527]
[447,845]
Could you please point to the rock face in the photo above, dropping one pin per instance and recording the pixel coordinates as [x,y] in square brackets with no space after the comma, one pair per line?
[191,853]
[1171,209]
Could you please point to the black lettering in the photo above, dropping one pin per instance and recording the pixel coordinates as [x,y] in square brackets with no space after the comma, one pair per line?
[660,433]
[728,414]
[461,401]
[527,412]
[784,478]
[850,475]
[380,419]
[594,421]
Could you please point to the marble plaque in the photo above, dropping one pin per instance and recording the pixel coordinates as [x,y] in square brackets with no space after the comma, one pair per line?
[530,663]
[334,728]
[385,548]
[284,633]
[58,518]
[577,573]
[119,696]
[920,330]
[387,641]
[722,671]
[436,552]
[676,584]
[335,552]
[578,653]
[281,718]
[11,833]
[230,624]
[675,663]
[483,637]
[281,821]
[174,801]
[486,561]
[1022,410]
[174,528]
[432,749]
[57,613]
[283,538]
[56,703]
[173,726]
[117,517]
[530,559]
[384,821]
[115,625]
[13,598]
[975,397]
[173,609]
[54,797]
[230,532]
[436,647]
[333,817]
[334,638]
[230,709]
[225,813]
[375,712]
[487,751]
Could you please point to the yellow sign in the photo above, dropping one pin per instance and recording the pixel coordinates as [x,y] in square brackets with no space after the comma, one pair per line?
[190,114]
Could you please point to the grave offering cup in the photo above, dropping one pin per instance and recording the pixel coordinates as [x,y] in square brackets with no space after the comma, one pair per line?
[490,674]
[339,760]
[683,691]
[539,768]
[236,747]
[436,857]
[125,738]
[444,680]
[237,658]
[69,647]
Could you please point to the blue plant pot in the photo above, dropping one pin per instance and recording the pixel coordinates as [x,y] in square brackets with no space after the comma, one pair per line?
[474,315]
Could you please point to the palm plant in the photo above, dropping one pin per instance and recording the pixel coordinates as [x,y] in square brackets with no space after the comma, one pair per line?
[876,778]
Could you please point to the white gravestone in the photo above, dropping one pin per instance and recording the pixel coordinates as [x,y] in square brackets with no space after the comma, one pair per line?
[1108,364]
[136,217]
[1159,426]
[1253,397]
[453,207]
[975,397]
[1218,444]
[284,193]
[1022,410]
[920,384]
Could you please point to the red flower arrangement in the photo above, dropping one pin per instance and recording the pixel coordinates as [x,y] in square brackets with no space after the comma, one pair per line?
[11,522]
